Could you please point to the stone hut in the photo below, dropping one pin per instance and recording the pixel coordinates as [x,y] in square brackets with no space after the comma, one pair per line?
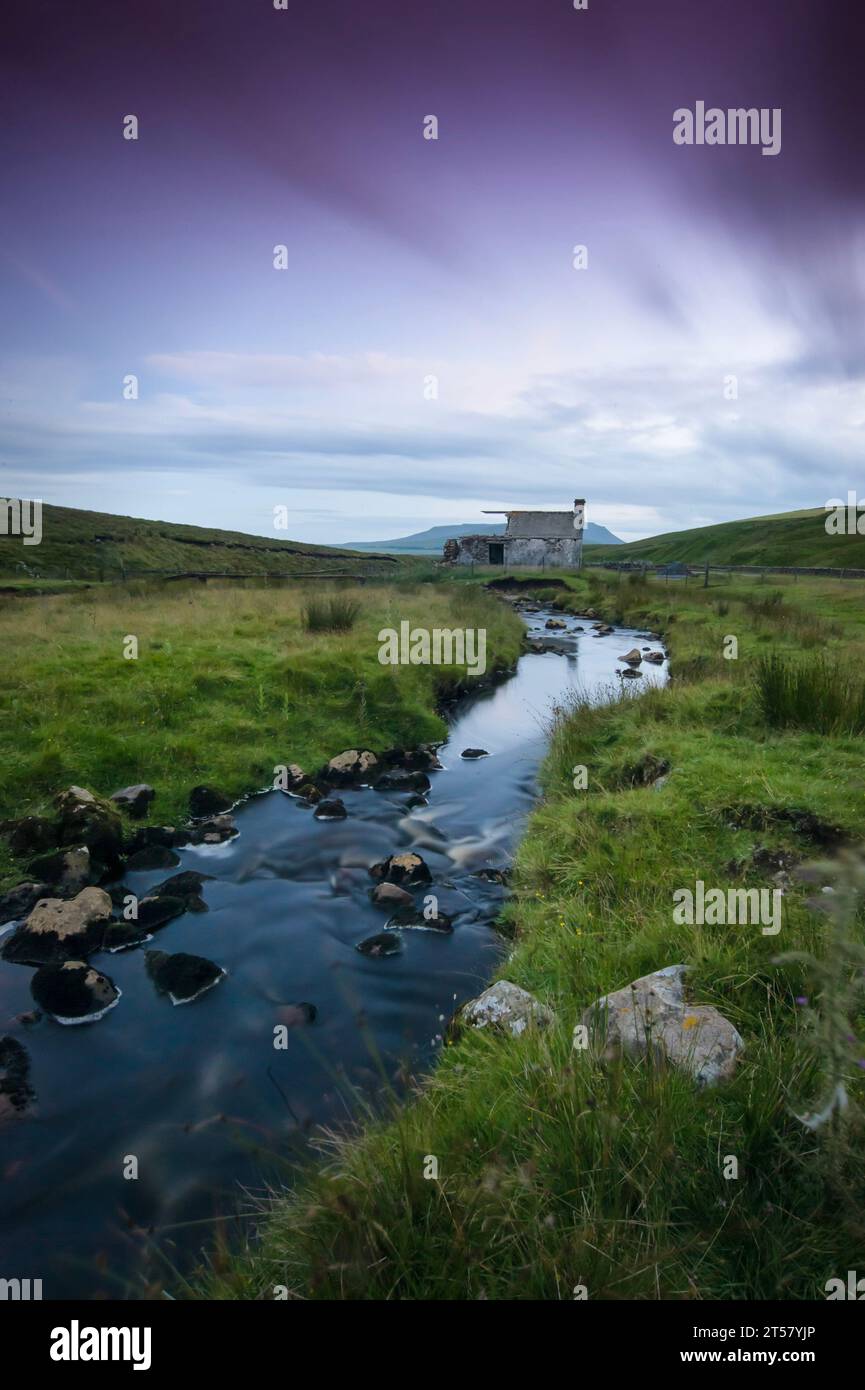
[530,540]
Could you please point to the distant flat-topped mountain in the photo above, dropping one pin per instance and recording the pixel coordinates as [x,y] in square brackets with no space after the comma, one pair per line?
[430,542]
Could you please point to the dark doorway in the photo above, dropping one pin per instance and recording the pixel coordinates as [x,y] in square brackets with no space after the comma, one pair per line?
[497,553]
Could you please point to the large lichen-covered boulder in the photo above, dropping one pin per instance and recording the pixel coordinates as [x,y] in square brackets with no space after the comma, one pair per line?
[73,992]
[86,819]
[652,1015]
[60,930]
[504,1007]
[406,870]
[353,766]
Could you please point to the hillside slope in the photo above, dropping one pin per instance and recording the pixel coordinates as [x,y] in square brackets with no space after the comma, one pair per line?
[791,538]
[430,542]
[95,545]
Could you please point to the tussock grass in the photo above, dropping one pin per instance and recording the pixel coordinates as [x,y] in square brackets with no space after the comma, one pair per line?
[763,605]
[338,613]
[816,692]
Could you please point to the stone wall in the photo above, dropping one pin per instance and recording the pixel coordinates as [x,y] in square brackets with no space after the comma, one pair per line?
[556,553]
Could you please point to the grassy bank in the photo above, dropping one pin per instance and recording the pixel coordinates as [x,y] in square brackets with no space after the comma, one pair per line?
[791,538]
[227,684]
[553,1171]
[98,546]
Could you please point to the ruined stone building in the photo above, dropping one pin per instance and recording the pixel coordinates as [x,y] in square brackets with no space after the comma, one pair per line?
[533,540]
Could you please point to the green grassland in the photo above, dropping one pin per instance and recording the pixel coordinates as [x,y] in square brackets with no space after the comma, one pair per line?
[96,546]
[227,685]
[792,538]
[553,1170]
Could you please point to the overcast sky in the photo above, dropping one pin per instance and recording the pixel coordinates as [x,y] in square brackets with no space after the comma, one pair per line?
[411,258]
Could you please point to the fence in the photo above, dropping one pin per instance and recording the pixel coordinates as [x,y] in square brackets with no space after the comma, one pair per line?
[674,570]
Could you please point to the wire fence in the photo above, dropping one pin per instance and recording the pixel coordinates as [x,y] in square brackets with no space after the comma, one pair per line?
[680,570]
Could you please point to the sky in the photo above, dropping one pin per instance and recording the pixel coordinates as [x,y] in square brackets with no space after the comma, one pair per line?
[430,348]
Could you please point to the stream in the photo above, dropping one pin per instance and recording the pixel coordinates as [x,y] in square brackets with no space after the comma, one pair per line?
[198,1094]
